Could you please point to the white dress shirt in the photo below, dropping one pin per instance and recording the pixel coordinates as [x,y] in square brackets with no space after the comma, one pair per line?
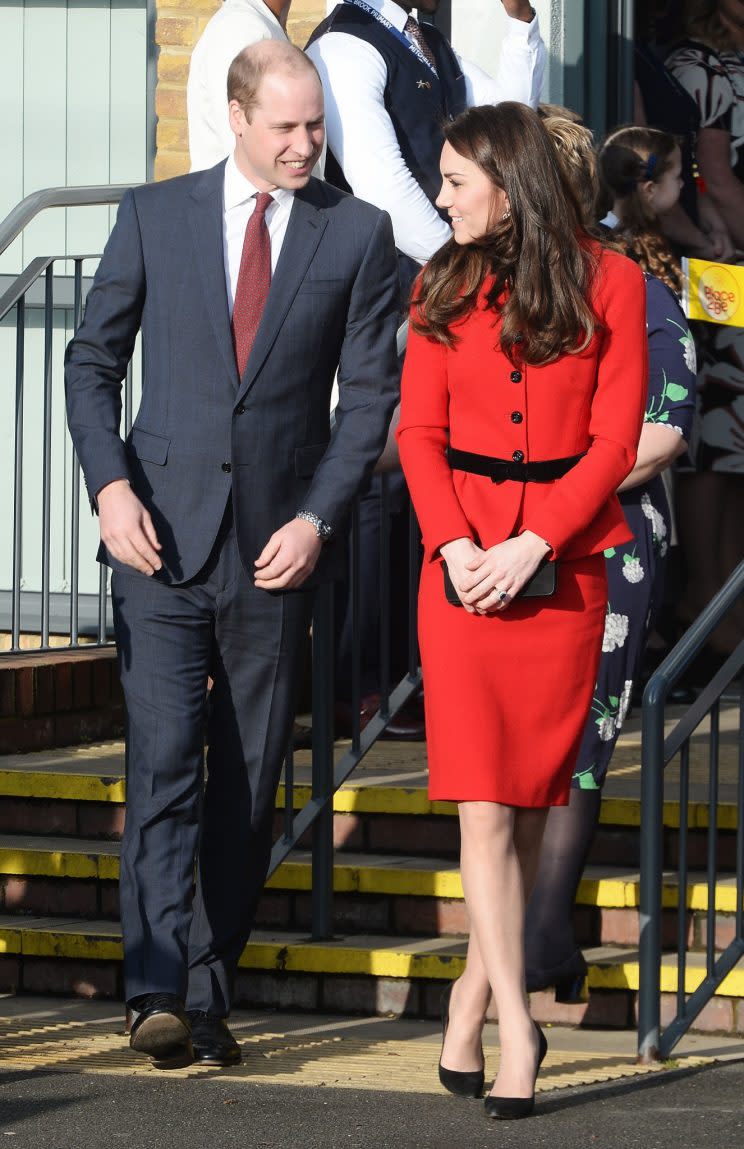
[239,205]
[361,135]
[237,24]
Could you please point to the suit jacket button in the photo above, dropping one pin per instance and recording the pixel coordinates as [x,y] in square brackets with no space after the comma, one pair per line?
[516,376]
[516,416]
[240,409]
[227,468]
[518,456]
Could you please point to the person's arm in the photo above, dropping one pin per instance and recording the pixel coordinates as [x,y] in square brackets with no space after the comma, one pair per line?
[724,187]
[617,409]
[95,364]
[670,405]
[521,67]
[710,242]
[362,138]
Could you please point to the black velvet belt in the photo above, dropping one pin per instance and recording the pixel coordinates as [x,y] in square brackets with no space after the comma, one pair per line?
[499,469]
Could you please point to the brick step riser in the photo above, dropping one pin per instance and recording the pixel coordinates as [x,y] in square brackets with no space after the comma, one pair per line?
[334,993]
[354,913]
[413,835]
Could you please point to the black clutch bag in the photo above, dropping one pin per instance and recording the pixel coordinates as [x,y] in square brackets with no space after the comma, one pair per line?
[542,584]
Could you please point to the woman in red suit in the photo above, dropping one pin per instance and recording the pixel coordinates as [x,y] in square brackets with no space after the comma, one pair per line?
[522,401]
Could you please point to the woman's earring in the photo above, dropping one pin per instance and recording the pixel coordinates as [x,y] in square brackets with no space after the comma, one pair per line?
[507,214]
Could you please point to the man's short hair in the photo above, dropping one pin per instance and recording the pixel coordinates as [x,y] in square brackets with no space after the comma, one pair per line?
[256,61]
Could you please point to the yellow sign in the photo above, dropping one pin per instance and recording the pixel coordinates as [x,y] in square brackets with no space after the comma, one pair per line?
[713,292]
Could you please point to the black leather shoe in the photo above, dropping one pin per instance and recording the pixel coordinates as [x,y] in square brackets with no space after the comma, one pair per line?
[162,1028]
[462,1083]
[514,1108]
[212,1041]
[567,976]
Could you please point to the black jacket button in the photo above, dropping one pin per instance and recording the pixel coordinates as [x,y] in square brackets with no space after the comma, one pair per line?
[516,416]
[227,468]
[240,409]
[516,376]
[518,456]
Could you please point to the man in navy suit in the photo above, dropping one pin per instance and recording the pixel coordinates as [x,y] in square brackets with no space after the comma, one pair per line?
[251,283]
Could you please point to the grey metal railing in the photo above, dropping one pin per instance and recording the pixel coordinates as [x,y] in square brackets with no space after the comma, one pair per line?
[658,750]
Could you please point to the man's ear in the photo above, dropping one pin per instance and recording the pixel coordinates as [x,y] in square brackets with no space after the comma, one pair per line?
[238,122]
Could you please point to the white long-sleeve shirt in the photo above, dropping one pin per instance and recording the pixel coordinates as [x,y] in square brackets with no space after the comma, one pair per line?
[361,135]
[237,24]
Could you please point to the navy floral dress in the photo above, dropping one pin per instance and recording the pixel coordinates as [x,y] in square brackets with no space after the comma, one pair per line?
[634,570]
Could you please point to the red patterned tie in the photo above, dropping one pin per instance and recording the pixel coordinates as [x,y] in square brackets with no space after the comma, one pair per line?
[411,28]
[254,280]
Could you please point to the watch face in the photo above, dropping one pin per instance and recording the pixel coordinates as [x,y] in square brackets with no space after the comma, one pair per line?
[324,530]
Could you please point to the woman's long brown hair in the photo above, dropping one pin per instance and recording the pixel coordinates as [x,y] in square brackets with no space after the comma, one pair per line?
[540,255]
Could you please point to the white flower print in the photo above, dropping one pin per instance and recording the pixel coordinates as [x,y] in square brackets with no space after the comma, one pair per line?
[615,632]
[607,729]
[658,526]
[624,703]
[690,356]
[632,570]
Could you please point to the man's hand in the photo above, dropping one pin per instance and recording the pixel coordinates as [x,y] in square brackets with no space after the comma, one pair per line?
[289,556]
[126,528]
[519,10]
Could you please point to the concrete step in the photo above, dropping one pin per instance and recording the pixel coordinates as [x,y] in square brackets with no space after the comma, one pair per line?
[348,974]
[389,893]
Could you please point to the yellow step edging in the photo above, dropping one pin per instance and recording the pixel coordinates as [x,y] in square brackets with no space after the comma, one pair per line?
[391,960]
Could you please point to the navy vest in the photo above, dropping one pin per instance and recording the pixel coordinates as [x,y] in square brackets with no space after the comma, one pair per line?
[417,101]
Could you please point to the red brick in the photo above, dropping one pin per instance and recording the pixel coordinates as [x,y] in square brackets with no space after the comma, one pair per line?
[63,687]
[25,691]
[277,991]
[44,690]
[716,1017]
[397,996]
[88,726]
[430,916]
[101,683]
[274,910]
[82,685]
[10,973]
[109,900]
[349,994]
[616,847]
[19,735]
[415,835]
[100,820]
[725,930]
[620,927]
[739,1017]
[357,913]
[605,1008]
[60,975]
[37,816]
[50,896]
[7,693]
[348,832]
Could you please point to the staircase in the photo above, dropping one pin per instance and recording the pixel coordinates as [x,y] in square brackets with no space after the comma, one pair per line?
[399,914]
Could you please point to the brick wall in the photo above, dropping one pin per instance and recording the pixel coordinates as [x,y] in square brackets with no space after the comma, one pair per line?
[179,25]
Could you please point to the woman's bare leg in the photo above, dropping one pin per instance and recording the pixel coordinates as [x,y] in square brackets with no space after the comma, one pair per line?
[493,885]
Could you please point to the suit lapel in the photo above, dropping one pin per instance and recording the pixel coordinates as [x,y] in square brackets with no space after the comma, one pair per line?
[206,219]
[304,230]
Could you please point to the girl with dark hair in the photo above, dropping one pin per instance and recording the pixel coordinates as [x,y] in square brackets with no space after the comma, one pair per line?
[522,401]
[641,173]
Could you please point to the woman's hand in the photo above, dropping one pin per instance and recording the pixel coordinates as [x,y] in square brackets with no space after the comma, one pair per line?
[457,555]
[494,577]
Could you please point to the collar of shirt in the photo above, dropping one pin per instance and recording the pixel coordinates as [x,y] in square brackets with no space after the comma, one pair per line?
[391,11]
[238,189]
[251,6]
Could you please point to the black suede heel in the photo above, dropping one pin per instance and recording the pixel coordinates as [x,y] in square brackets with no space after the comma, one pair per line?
[514,1108]
[468,1084]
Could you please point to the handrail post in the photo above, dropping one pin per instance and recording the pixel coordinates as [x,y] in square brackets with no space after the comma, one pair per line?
[322,763]
[652,861]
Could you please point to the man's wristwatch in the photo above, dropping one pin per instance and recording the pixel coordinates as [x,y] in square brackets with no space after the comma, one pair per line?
[323,530]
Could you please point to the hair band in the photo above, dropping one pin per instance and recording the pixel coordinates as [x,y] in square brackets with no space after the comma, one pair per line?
[650,166]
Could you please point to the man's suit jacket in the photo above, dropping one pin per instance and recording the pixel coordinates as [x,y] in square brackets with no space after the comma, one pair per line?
[201,431]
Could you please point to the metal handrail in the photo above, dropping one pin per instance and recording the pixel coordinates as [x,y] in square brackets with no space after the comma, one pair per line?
[93,195]
[657,750]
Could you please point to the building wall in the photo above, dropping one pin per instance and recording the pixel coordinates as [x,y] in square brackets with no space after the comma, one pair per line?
[179,25]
